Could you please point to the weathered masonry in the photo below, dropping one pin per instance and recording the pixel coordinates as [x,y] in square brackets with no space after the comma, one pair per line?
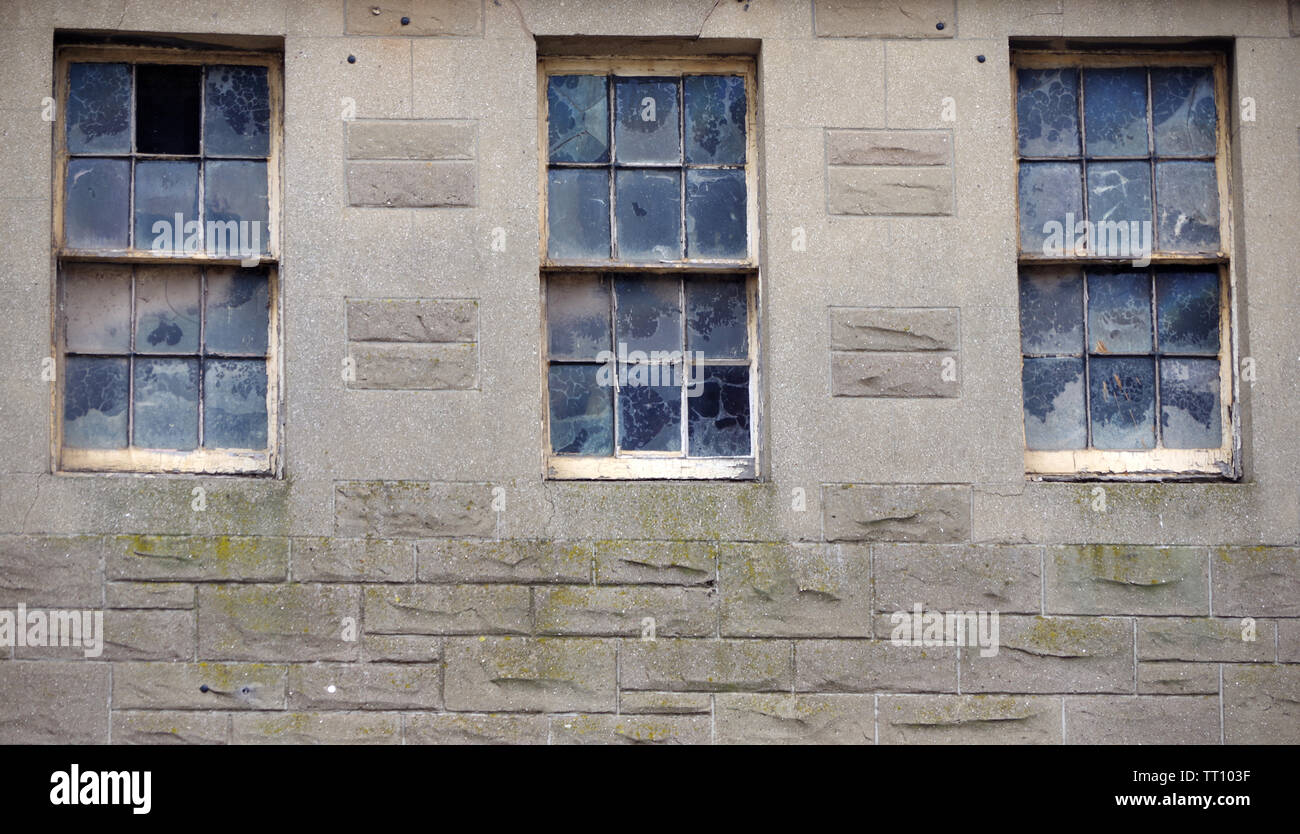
[522,371]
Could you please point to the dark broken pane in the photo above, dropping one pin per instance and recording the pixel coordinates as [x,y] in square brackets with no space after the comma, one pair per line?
[98,203]
[1187,312]
[1187,204]
[167,108]
[1119,202]
[715,214]
[1049,191]
[238,306]
[649,214]
[164,190]
[1119,312]
[1189,404]
[234,404]
[717,320]
[1051,312]
[166,403]
[581,410]
[648,313]
[97,308]
[167,310]
[1054,403]
[650,416]
[715,119]
[1182,109]
[577,118]
[99,108]
[577,214]
[718,407]
[577,315]
[237,117]
[647,125]
[235,207]
[1115,111]
[1047,112]
[94,403]
[1123,402]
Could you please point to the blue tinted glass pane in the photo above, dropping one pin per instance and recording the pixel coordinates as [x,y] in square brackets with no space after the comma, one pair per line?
[164,190]
[1115,111]
[237,119]
[1182,109]
[1047,112]
[1123,402]
[99,203]
[99,108]
[1119,201]
[649,214]
[238,304]
[1049,191]
[650,416]
[577,118]
[1189,404]
[718,407]
[1119,312]
[648,313]
[715,214]
[234,404]
[647,124]
[577,315]
[717,318]
[715,119]
[234,199]
[1054,404]
[1187,312]
[1187,203]
[167,310]
[94,403]
[166,403]
[1051,312]
[582,411]
[577,214]
[97,308]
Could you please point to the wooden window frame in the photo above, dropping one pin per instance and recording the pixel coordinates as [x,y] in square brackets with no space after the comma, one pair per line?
[1160,463]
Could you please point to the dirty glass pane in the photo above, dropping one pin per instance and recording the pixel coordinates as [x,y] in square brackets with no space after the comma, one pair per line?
[1189,404]
[577,118]
[97,308]
[94,403]
[1051,312]
[1054,404]
[582,411]
[167,108]
[719,413]
[167,310]
[715,119]
[577,214]
[717,320]
[1123,402]
[577,314]
[715,214]
[234,404]
[98,203]
[1048,192]
[234,199]
[650,416]
[1187,312]
[647,125]
[1187,203]
[1119,193]
[162,191]
[166,403]
[99,108]
[237,118]
[648,313]
[1047,112]
[1119,312]
[648,208]
[238,304]
[1182,108]
[1115,111]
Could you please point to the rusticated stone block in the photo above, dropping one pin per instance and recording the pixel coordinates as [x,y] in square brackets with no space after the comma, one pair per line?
[462,560]
[403,366]
[630,729]
[889,147]
[522,674]
[1261,704]
[621,611]
[198,686]
[796,590]
[427,17]
[315,728]
[889,190]
[199,558]
[149,595]
[411,139]
[655,563]
[411,184]
[664,703]
[873,666]
[880,19]
[887,513]
[401,648]
[894,375]
[412,509]
[297,622]
[894,328]
[706,665]
[169,727]
[365,686]
[62,572]
[1256,581]
[49,702]
[1171,678]
[1205,639]
[448,609]
[1123,579]
[475,728]
[969,719]
[958,577]
[352,560]
[744,718]
[412,320]
[1142,719]
[1054,654]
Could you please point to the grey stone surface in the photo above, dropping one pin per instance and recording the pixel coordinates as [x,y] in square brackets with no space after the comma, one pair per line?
[149,595]
[465,560]
[199,686]
[706,665]
[414,367]
[957,578]
[665,703]
[412,320]
[874,19]
[448,609]
[894,328]
[1102,579]
[1142,719]
[198,558]
[1256,581]
[342,560]
[427,18]
[401,648]
[53,702]
[521,674]
[901,513]
[873,666]
[630,729]
[316,728]
[888,147]
[1172,678]
[475,728]
[169,727]
[1260,704]
[1054,654]
[412,509]
[58,572]
[623,611]
[294,622]
[409,184]
[411,139]
[656,562]
[807,590]
[969,719]
[889,190]
[365,686]
[744,718]
[1204,638]
[895,375]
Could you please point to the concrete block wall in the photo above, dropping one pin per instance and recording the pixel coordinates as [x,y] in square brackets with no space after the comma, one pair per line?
[412,577]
